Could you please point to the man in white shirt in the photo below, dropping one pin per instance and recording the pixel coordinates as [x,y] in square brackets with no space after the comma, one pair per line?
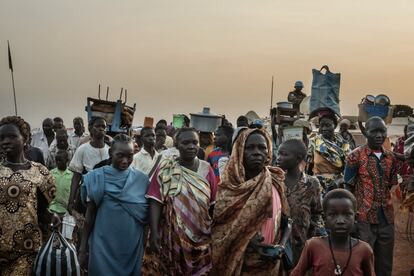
[88,155]
[147,157]
[44,138]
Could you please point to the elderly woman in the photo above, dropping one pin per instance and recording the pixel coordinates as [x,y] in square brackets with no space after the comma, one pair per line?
[26,189]
[344,126]
[327,152]
[180,196]
[250,226]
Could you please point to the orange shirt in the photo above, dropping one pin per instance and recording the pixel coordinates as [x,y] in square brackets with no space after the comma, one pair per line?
[317,257]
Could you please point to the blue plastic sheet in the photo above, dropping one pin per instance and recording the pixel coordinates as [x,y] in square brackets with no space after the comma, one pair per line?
[325,91]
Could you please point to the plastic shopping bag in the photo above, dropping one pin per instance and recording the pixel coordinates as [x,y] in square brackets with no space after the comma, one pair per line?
[57,257]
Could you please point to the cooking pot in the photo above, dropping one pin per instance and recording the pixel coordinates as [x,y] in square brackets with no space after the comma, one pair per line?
[369,99]
[205,121]
[382,100]
[284,105]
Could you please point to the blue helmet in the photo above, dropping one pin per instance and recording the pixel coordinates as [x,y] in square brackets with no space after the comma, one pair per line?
[298,84]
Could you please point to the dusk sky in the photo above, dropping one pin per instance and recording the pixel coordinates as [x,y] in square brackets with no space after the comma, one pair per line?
[178,56]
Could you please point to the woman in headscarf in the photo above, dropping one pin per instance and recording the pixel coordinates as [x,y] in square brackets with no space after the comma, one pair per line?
[327,152]
[180,196]
[26,189]
[250,215]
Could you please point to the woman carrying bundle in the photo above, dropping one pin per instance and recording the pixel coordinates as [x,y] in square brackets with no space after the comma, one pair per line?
[327,152]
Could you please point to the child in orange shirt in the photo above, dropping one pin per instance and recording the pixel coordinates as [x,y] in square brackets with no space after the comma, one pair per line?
[337,253]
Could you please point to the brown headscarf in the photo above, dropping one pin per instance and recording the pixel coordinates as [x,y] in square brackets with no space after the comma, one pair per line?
[242,207]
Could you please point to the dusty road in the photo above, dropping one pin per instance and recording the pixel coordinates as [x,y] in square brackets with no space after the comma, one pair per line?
[404,243]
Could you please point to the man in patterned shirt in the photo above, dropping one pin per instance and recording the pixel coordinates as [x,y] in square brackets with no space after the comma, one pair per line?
[370,173]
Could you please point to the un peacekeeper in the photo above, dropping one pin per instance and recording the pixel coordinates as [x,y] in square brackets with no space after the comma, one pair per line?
[296,96]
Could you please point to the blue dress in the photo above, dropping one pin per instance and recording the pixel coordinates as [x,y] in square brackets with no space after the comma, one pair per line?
[116,244]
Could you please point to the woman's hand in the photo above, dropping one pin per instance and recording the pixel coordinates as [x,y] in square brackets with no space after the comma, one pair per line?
[256,241]
[70,207]
[257,244]
[55,222]
[155,244]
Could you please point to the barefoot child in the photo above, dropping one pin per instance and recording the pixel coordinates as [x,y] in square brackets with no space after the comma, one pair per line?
[116,214]
[337,253]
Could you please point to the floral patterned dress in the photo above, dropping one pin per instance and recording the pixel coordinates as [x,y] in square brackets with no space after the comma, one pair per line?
[20,235]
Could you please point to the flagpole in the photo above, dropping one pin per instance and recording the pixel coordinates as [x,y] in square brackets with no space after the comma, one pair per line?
[12,76]
[271,96]
[14,94]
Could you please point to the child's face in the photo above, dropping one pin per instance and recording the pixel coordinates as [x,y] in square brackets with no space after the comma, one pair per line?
[61,162]
[287,158]
[62,141]
[122,155]
[339,216]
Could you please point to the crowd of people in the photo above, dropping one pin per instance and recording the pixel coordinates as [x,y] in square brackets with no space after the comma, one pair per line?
[168,201]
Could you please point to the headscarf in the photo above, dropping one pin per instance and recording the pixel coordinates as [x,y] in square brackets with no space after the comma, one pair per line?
[324,112]
[329,115]
[242,206]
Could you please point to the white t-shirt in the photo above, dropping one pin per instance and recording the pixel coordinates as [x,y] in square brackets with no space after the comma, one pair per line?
[86,157]
[378,154]
[75,141]
[169,142]
[144,162]
[39,140]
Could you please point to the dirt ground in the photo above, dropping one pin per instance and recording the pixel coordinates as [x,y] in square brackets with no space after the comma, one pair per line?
[404,243]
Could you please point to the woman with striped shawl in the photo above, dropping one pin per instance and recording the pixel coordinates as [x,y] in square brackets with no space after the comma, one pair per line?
[180,195]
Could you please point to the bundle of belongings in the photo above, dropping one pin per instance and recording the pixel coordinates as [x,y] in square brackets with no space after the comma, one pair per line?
[106,109]
[325,90]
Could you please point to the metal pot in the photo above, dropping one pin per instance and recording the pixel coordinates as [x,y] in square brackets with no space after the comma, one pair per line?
[284,105]
[369,99]
[382,100]
[205,121]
